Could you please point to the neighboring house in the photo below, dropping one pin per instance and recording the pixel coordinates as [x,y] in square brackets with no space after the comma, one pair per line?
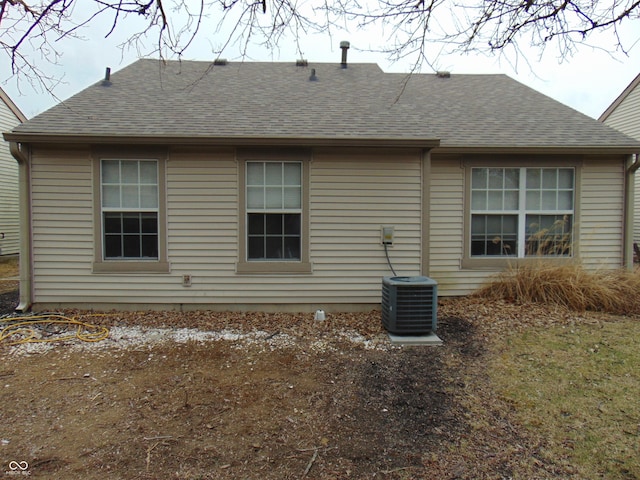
[624,115]
[266,186]
[10,116]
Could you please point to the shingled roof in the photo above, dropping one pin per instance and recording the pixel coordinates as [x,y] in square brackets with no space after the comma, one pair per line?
[193,102]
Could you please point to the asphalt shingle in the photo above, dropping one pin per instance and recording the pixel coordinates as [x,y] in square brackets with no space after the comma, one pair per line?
[192,99]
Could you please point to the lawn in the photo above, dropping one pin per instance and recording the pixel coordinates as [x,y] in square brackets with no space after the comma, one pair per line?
[517,390]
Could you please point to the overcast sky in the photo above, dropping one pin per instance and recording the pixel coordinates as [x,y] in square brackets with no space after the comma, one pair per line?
[589,81]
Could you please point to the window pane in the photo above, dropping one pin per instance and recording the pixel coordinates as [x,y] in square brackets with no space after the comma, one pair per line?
[273,174]
[149,196]
[149,246]
[495,200]
[549,200]
[292,197]
[273,247]
[255,197]
[479,200]
[111,196]
[129,170]
[510,224]
[110,171]
[549,178]
[496,180]
[511,178]
[511,200]
[548,235]
[273,197]
[565,200]
[255,173]
[292,248]
[255,224]
[149,222]
[533,178]
[148,172]
[478,224]
[494,224]
[479,178]
[494,235]
[131,223]
[255,248]
[292,174]
[112,223]
[130,198]
[533,200]
[112,246]
[565,178]
[274,224]
[131,246]
[292,224]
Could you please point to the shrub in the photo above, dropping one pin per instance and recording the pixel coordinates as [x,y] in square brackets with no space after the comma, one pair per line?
[569,285]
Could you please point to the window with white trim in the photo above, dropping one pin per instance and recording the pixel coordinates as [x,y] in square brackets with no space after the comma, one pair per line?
[274,211]
[129,203]
[522,212]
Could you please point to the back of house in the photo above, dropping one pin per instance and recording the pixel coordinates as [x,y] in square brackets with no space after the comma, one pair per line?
[10,116]
[299,186]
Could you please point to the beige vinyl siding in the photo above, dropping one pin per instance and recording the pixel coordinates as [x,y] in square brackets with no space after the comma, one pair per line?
[447,229]
[9,214]
[601,219]
[626,118]
[600,222]
[62,222]
[351,197]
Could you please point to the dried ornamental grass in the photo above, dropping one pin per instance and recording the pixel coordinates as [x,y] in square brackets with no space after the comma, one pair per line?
[569,286]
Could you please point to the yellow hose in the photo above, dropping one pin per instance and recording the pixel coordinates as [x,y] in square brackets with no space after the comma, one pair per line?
[24,326]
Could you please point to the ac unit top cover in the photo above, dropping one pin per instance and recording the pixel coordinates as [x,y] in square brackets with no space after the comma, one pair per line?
[422,280]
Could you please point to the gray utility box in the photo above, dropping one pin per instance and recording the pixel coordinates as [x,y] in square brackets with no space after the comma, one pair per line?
[409,305]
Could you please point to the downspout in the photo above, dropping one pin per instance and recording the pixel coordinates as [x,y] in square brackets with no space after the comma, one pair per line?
[629,194]
[24,197]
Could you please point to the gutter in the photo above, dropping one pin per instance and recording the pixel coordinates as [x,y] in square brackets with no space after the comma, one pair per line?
[233,141]
[629,199]
[24,195]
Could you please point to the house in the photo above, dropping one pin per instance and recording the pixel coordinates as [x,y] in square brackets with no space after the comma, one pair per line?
[624,115]
[268,186]
[10,116]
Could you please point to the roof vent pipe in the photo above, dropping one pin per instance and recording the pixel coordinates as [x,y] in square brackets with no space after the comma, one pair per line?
[344,46]
[107,77]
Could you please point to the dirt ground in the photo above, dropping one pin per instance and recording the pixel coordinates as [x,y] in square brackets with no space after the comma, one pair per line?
[320,405]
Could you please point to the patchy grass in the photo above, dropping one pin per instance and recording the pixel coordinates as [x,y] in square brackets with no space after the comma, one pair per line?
[9,268]
[577,387]
[569,286]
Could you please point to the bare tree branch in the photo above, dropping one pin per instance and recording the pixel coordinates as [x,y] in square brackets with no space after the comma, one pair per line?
[417,29]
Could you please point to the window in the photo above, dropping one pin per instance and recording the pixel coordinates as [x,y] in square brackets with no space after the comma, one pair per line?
[522,212]
[129,204]
[274,210]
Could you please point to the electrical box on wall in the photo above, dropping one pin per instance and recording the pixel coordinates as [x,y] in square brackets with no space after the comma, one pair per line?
[386,235]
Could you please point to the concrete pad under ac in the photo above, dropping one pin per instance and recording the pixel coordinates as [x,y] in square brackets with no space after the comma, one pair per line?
[428,339]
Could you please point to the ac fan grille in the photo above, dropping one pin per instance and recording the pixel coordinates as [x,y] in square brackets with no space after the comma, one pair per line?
[409,309]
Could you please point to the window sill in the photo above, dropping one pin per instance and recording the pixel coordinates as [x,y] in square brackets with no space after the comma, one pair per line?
[265,268]
[133,266]
[502,263]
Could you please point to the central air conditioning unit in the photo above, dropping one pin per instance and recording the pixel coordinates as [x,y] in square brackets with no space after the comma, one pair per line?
[409,305]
